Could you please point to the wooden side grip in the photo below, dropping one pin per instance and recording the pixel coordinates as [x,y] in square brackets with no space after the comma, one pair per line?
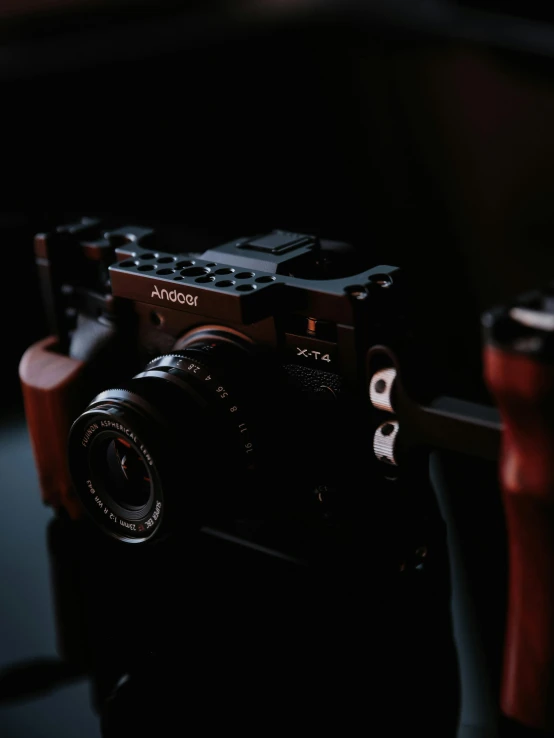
[524,389]
[53,386]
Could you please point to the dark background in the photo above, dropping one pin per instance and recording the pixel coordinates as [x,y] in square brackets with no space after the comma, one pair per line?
[420,132]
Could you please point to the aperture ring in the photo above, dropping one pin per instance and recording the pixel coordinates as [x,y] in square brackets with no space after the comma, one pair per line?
[222,394]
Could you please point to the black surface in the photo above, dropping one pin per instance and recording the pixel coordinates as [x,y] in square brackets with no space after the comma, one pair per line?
[27,620]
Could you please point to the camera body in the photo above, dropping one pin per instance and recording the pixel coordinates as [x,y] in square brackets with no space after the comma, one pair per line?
[232,410]
[258,350]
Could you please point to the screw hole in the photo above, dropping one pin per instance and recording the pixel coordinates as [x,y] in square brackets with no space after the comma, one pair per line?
[266,278]
[194,272]
[380,386]
[356,292]
[380,280]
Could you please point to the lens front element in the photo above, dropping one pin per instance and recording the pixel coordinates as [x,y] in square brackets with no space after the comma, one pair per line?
[124,473]
[114,470]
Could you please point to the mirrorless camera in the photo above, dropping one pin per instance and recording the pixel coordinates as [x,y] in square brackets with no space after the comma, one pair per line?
[231,384]
[232,408]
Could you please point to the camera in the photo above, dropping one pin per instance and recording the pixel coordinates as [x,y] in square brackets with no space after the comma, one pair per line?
[236,381]
[235,406]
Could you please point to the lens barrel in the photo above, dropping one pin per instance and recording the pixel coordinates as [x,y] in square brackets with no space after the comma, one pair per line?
[153,455]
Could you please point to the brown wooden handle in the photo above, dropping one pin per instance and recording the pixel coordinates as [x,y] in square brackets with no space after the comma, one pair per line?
[524,390]
[52,387]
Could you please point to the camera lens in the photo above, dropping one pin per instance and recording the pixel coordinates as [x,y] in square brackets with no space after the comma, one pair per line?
[125,474]
[158,452]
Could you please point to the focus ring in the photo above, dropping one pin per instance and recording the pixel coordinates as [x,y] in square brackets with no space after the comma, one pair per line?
[187,368]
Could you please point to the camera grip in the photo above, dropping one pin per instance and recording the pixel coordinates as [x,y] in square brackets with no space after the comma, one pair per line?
[524,390]
[52,386]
